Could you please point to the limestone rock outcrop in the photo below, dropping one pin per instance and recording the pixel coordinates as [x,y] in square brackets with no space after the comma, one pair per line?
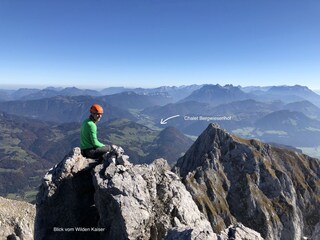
[274,191]
[80,199]
[145,202]
[65,201]
[239,232]
[16,219]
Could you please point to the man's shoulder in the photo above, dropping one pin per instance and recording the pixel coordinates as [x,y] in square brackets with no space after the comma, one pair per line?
[88,122]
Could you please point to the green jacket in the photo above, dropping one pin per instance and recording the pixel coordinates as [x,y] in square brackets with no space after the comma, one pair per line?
[88,135]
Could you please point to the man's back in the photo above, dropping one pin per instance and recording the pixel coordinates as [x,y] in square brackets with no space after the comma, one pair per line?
[88,135]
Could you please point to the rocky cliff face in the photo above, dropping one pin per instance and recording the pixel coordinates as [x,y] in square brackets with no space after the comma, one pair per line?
[16,219]
[80,199]
[146,202]
[77,201]
[274,191]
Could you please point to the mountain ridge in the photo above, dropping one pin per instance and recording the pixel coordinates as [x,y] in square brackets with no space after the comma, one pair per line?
[265,188]
[176,92]
[170,144]
[216,94]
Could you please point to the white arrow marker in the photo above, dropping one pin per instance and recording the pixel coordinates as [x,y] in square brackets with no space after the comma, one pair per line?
[165,121]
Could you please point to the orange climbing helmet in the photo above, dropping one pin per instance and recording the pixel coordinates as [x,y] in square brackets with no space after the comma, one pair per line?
[96,108]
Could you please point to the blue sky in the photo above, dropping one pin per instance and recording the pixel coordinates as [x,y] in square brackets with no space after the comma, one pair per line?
[149,43]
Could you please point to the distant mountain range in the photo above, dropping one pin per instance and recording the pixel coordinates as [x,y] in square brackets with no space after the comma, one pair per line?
[294,93]
[288,94]
[176,93]
[34,123]
[244,107]
[289,127]
[216,94]
[62,109]
[33,94]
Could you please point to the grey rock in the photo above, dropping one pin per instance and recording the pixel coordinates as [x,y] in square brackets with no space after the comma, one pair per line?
[316,232]
[81,199]
[72,164]
[146,202]
[238,232]
[16,219]
[65,200]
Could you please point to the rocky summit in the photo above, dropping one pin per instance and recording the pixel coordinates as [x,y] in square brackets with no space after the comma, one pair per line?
[274,191]
[82,199]
[224,187]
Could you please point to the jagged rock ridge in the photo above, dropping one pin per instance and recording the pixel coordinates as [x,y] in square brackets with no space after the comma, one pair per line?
[273,191]
[152,202]
[130,202]
[80,199]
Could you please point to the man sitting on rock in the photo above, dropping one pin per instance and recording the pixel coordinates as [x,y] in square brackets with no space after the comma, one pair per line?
[90,146]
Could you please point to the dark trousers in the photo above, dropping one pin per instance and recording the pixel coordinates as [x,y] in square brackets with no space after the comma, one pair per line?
[96,152]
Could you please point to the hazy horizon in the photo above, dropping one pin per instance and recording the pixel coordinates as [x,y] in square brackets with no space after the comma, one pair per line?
[41,87]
